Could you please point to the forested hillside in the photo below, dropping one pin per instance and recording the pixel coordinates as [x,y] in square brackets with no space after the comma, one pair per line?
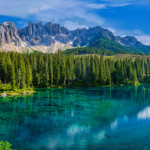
[101,46]
[43,70]
[106,46]
[88,50]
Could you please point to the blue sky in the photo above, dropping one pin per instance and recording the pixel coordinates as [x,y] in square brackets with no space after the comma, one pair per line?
[122,17]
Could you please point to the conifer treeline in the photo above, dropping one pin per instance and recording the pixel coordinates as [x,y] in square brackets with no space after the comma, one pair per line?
[42,70]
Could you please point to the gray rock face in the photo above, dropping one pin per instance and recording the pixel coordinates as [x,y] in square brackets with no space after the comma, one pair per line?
[9,34]
[3,95]
[130,41]
[83,37]
[39,34]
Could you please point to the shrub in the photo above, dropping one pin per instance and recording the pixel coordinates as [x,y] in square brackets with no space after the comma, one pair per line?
[5,146]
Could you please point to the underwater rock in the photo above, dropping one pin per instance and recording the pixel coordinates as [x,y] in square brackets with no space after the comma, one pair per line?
[3,94]
[24,93]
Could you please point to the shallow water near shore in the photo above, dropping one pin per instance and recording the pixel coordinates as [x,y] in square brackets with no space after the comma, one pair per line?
[93,118]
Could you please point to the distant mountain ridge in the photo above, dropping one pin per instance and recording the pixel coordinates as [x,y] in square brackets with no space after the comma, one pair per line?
[50,37]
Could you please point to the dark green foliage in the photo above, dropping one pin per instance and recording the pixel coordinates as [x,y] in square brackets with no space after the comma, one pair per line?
[15,69]
[5,146]
[106,46]
[109,45]
[88,50]
[43,70]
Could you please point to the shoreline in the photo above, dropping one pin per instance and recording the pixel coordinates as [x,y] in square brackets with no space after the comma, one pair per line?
[84,86]
[21,92]
[17,92]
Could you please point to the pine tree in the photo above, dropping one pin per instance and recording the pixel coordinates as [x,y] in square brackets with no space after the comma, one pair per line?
[101,71]
[63,70]
[51,70]
[93,71]
[135,77]
[58,74]
[13,79]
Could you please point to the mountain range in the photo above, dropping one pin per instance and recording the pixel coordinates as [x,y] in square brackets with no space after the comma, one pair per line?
[50,37]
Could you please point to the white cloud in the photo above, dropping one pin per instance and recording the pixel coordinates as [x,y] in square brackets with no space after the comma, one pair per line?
[143,2]
[73,25]
[46,7]
[89,17]
[119,2]
[120,5]
[111,29]
[56,10]
[121,32]
[145,39]
[72,13]
[33,11]
[96,6]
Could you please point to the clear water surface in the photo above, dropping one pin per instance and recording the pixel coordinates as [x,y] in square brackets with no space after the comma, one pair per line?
[104,118]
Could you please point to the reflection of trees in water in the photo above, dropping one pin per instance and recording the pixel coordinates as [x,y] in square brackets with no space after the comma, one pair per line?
[52,111]
[138,94]
[88,104]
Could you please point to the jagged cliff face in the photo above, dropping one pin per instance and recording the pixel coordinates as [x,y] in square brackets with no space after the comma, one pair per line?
[50,37]
[9,34]
[48,34]
[130,41]
[9,38]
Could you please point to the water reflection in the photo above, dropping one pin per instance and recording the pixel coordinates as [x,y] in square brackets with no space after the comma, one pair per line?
[144,114]
[114,124]
[76,118]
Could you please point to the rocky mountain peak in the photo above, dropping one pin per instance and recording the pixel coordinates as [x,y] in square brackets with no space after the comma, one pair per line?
[130,41]
[37,35]
[47,34]
[9,34]
[8,24]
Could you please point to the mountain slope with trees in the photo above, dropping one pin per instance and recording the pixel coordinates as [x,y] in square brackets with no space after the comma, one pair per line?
[106,46]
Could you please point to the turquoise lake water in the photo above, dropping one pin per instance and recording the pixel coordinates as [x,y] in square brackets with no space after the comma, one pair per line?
[104,118]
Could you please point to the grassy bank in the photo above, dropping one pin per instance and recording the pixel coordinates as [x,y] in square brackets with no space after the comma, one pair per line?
[5,146]
[6,90]
[83,84]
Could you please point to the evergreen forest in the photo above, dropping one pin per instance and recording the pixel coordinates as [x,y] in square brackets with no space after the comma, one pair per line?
[48,70]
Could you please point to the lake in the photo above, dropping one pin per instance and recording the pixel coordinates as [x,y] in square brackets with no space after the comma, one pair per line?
[106,118]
